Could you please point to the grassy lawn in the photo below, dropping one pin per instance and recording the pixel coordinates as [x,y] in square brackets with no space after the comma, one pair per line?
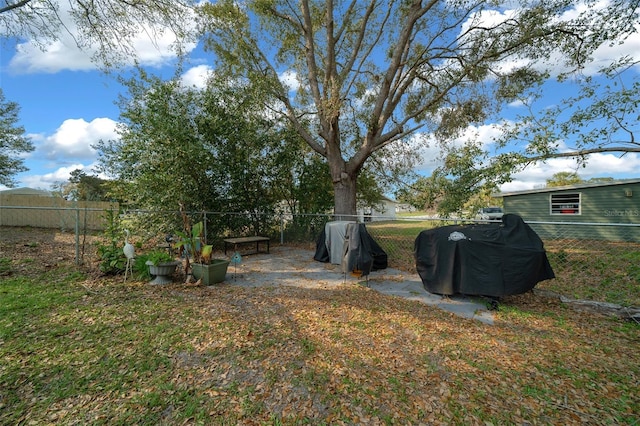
[81,350]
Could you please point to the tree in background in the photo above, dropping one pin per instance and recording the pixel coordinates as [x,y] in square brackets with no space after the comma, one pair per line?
[367,75]
[601,180]
[572,178]
[214,149]
[447,196]
[563,179]
[159,161]
[425,193]
[13,142]
[83,187]
[601,118]
[303,188]
[191,149]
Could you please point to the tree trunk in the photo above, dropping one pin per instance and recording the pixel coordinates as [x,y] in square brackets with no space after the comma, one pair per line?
[345,197]
[344,175]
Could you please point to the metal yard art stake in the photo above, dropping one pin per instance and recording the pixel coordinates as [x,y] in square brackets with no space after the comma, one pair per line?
[235,259]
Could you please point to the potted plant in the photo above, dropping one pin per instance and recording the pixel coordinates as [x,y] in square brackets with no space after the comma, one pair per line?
[197,252]
[161,265]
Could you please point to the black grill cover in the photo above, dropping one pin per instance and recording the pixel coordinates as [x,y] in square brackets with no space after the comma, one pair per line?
[496,259]
[363,253]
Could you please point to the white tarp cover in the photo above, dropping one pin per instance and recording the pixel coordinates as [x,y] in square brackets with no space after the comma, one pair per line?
[335,235]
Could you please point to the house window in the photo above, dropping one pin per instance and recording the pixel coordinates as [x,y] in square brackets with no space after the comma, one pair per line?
[565,203]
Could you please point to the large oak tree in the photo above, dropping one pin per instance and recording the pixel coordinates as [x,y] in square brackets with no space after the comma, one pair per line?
[370,74]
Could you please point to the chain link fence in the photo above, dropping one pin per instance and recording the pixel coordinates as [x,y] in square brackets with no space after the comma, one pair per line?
[601,260]
[600,257]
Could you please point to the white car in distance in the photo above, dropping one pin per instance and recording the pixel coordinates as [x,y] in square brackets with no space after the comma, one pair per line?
[490,213]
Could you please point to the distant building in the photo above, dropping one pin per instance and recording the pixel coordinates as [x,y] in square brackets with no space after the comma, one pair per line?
[616,202]
[42,209]
[386,210]
[27,191]
[405,208]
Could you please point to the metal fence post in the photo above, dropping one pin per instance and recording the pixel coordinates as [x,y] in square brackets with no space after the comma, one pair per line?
[281,229]
[204,229]
[77,235]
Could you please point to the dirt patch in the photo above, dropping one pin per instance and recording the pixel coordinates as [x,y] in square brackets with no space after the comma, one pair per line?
[34,250]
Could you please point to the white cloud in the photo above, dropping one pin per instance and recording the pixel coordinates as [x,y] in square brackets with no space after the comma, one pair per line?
[535,176]
[432,155]
[64,54]
[62,174]
[608,53]
[58,55]
[158,51]
[289,79]
[598,165]
[485,133]
[611,165]
[74,137]
[197,76]
[47,180]
[516,104]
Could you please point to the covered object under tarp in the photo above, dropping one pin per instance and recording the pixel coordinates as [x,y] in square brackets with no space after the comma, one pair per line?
[350,245]
[494,260]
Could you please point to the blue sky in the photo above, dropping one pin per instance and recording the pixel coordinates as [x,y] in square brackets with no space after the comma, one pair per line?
[67,105]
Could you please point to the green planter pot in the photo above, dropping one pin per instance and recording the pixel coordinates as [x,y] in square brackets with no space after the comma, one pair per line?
[213,273]
[163,272]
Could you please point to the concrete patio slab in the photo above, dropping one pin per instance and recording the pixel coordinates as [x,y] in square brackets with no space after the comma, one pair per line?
[296,267]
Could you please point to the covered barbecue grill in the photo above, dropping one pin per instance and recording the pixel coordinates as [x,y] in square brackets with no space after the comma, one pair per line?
[350,245]
[494,260]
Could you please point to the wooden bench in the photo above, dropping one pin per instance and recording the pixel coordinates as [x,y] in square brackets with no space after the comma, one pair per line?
[235,242]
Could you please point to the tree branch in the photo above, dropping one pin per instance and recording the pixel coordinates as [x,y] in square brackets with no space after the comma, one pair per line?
[582,153]
[9,7]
